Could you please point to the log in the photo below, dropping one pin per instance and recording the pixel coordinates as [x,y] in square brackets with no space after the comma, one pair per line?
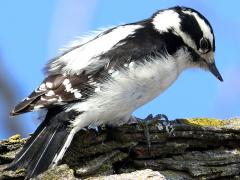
[197,148]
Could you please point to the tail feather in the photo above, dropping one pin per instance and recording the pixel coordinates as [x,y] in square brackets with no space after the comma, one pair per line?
[51,137]
[44,158]
[30,149]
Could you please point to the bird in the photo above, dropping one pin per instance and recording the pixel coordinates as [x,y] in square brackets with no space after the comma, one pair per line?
[102,79]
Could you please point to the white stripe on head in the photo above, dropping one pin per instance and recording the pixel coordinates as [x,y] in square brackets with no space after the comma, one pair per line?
[203,25]
[165,20]
[168,20]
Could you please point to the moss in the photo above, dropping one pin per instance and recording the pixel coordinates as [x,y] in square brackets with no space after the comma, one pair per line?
[205,122]
[105,168]
[15,139]
[20,171]
[119,157]
[9,148]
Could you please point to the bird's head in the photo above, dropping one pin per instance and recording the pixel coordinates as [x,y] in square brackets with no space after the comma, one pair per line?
[193,33]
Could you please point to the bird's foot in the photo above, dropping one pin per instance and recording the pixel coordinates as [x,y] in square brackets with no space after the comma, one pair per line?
[147,121]
[163,124]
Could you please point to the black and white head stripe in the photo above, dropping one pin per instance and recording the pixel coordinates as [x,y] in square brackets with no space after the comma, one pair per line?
[187,23]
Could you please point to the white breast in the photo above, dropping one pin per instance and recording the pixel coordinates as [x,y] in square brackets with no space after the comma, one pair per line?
[130,89]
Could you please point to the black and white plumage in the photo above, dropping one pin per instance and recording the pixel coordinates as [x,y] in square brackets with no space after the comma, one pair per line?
[104,78]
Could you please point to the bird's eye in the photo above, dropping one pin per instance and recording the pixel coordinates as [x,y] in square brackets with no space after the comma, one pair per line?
[204,45]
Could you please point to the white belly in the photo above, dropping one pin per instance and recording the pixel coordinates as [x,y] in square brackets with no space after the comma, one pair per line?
[127,91]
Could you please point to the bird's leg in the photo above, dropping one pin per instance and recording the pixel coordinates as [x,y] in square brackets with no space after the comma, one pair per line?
[147,133]
[163,122]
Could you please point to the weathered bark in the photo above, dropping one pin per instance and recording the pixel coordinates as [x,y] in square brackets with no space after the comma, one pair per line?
[198,148]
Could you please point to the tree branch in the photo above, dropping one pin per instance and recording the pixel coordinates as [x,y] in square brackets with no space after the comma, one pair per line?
[198,148]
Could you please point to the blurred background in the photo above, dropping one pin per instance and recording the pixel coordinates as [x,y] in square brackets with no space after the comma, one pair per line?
[31,33]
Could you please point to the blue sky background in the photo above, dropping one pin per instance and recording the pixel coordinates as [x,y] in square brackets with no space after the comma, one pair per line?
[32,32]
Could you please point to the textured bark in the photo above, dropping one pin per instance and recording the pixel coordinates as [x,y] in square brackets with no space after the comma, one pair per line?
[199,148]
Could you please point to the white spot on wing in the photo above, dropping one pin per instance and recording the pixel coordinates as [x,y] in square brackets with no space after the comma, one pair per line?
[42,87]
[49,85]
[66,81]
[38,107]
[50,93]
[77,95]
[69,88]
[50,100]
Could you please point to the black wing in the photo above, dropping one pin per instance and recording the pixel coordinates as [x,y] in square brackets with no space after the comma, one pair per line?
[55,90]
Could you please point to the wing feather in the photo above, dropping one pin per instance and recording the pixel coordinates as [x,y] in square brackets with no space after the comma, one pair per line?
[54,90]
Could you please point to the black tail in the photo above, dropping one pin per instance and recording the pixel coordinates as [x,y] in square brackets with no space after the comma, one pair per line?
[45,144]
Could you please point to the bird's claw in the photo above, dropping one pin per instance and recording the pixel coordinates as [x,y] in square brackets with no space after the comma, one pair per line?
[163,124]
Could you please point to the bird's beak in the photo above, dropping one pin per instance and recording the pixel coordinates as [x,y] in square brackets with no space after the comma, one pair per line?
[213,69]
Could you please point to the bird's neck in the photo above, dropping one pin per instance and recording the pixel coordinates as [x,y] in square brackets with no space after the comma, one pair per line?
[182,60]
